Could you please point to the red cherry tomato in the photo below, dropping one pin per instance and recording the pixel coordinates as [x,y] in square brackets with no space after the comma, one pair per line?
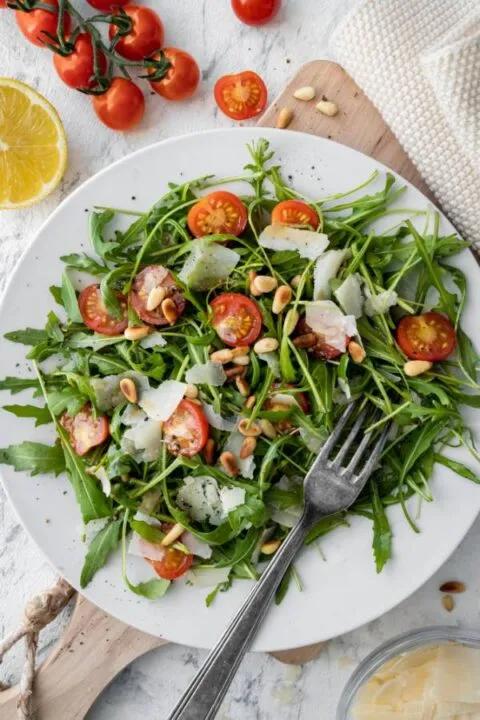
[255,12]
[151,277]
[241,96]
[76,69]
[181,79]
[84,430]
[36,23]
[219,212]
[186,430]
[295,212]
[145,37]
[95,315]
[122,106]
[173,565]
[430,336]
[106,5]
[236,318]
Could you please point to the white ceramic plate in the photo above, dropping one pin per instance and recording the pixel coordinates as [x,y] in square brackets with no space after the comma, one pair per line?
[340,593]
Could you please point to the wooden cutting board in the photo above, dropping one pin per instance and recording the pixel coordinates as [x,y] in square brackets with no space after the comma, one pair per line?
[95,647]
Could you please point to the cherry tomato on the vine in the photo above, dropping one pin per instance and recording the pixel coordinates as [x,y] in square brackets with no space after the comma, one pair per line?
[36,23]
[122,106]
[430,336]
[241,96]
[182,77]
[295,212]
[95,315]
[145,37]
[256,12]
[84,430]
[106,5]
[76,69]
[236,318]
[219,212]
[186,430]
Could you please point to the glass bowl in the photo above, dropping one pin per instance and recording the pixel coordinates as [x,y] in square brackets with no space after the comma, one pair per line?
[412,640]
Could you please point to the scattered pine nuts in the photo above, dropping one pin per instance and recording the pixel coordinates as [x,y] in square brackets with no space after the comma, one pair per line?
[240,350]
[252,275]
[241,360]
[222,356]
[249,429]
[248,447]
[306,341]
[172,535]
[412,368]
[356,352]
[448,603]
[281,298]
[169,309]
[284,118]
[264,284]
[267,428]
[129,390]
[453,586]
[136,333]
[291,319]
[270,547]
[229,463]
[250,402]
[155,297]
[235,371]
[327,108]
[242,386]
[191,392]
[295,281]
[209,451]
[265,345]
[304,93]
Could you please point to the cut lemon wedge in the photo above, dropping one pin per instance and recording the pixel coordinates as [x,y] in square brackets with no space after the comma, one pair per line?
[33,146]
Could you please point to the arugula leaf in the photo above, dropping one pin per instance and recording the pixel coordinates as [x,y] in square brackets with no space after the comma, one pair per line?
[101,547]
[41,415]
[382,534]
[83,262]
[34,457]
[326,525]
[53,329]
[152,589]
[91,340]
[29,336]
[109,294]
[67,399]
[16,385]
[151,533]
[457,467]
[418,442]
[98,224]
[69,299]
[469,359]
[56,293]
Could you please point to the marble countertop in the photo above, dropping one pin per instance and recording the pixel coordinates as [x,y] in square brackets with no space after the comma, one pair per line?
[264,688]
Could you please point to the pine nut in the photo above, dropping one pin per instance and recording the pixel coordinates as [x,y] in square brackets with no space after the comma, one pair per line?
[295,281]
[129,390]
[209,451]
[265,345]
[267,428]
[453,586]
[270,547]
[229,463]
[169,309]
[264,284]
[172,535]
[242,386]
[284,118]
[412,368]
[249,429]
[241,360]
[251,283]
[356,352]
[304,93]
[191,392]
[248,447]
[240,350]
[291,319]
[235,371]
[448,603]
[327,108]
[222,356]
[306,341]
[281,298]
[250,402]
[155,297]
[136,333]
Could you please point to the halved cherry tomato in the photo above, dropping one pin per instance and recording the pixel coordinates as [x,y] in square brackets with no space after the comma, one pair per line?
[295,212]
[241,96]
[220,212]
[186,430]
[236,318]
[95,315]
[76,69]
[255,12]
[173,565]
[430,336]
[84,430]
[321,349]
[181,79]
[154,276]
[145,37]
[35,23]
[122,106]
[106,5]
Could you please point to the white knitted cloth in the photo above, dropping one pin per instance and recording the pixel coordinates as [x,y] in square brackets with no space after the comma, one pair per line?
[419,62]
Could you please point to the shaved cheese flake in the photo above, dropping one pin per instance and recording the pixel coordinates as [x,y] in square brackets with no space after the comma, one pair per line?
[381,303]
[133,415]
[350,297]
[143,441]
[326,319]
[307,243]
[231,498]
[326,268]
[208,577]
[207,265]
[209,373]
[144,517]
[217,421]
[284,399]
[286,518]
[101,474]
[200,498]
[196,547]
[92,528]
[273,362]
[140,547]
[245,465]
[159,403]
[155,339]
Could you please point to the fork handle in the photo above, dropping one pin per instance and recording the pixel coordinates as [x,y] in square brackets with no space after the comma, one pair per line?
[203,698]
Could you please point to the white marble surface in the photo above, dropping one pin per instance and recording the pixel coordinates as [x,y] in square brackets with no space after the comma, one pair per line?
[264,689]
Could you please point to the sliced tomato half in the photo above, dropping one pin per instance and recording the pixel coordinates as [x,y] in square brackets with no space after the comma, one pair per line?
[186,430]
[173,565]
[151,277]
[430,336]
[241,96]
[220,212]
[95,315]
[85,431]
[237,319]
[295,212]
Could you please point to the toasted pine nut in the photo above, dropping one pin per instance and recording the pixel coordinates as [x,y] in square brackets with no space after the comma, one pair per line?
[264,284]
[222,356]
[169,309]
[155,297]
[453,586]
[249,429]
[248,447]
[209,451]
[356,352]
[240,350]
[233,372]
[412,368]
[265,345]
[136,333]
[191,391]
[229,463]
[241,360]
[448,603]
[306,341]
[129,390]
[267,428]
[304,93]
[250,402]
[291,319]
[284,118]
[270,547]
[242,386]
[281,298]
[327,108]
[295,281]
[172,535]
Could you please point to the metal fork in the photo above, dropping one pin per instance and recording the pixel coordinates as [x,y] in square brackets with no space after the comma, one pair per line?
[329,487]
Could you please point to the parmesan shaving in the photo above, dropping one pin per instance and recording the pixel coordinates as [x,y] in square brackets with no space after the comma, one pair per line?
[209,373]
[307,243]
[159,403]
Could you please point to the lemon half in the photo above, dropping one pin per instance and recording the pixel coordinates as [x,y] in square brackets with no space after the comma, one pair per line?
[33,146]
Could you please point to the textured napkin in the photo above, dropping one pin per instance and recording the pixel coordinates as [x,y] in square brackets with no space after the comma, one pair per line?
[419,63]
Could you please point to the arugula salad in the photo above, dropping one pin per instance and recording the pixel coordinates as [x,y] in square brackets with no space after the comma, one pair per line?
[200,356]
